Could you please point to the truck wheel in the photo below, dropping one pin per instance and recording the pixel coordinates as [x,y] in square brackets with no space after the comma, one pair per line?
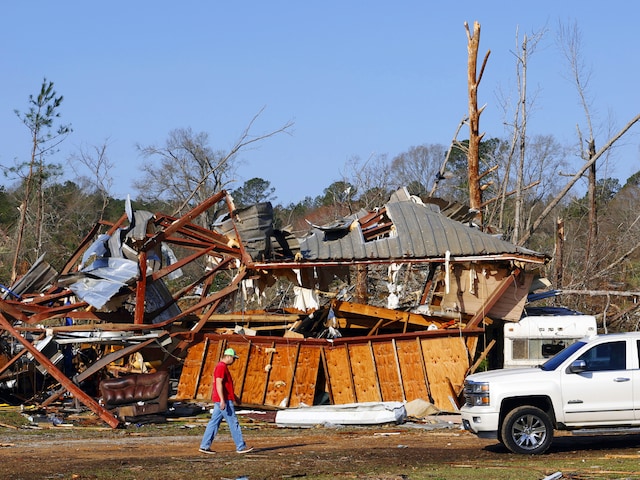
[527,430]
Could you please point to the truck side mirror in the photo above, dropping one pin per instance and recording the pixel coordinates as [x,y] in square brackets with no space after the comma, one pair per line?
[578,366]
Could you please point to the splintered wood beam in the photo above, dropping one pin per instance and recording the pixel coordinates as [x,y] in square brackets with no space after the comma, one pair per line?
[376,313]
[141,289]
[481,357]
[254,317]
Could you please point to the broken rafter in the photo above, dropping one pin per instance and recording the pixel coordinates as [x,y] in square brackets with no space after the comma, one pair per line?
[372,312]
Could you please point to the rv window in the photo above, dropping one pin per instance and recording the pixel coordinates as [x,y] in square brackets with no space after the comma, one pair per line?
[536,349]
[520,349]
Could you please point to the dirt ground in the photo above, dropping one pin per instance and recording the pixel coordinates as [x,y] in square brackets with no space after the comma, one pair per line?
[407,451]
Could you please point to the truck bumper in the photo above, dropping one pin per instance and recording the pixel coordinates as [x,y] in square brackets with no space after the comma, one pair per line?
[483,424]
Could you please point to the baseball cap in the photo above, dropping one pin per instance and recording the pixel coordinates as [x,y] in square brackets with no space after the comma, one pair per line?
[231,352]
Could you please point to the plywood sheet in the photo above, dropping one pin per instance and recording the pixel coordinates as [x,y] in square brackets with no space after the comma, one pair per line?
[190,375]
[510,305]
[339,374]
[254,374]
[388,373]
[306,376]
[363,369]
[446,361]
[281,375]
[211,359]
[412,370]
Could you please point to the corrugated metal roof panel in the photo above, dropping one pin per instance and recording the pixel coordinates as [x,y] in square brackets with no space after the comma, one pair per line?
[418,231]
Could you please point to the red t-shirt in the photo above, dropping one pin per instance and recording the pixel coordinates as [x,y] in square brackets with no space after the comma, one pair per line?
[222,371]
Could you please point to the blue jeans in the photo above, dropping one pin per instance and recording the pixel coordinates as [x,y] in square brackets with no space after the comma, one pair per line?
[229,415]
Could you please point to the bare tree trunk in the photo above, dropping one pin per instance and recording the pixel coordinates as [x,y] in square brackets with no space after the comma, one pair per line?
[39,228]
[522,144]
[559,254]
[24,209]
[475,137]
[593,209]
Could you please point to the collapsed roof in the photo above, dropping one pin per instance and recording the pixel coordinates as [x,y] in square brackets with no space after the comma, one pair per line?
[406,229]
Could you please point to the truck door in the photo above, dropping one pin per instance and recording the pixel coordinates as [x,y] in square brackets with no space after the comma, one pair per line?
[603,393]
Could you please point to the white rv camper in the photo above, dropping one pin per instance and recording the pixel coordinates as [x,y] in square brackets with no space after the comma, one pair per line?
[534,339]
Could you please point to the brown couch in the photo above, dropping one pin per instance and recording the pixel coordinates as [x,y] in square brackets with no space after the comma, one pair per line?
[138,394]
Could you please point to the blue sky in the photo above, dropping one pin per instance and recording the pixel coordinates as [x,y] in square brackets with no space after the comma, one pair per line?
[357,78]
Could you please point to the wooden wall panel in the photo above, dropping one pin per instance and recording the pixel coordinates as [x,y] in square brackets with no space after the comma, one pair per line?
[281,375]
[511,304]
[211,359]
[446,361]
[239,368]
[306,376]
[388,373]
[190,375]
[339,374]
[412,370]
[365,377]
[291,374]
[250,369]
[470,299]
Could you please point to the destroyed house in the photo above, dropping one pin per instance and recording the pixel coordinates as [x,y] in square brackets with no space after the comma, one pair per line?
[385,305]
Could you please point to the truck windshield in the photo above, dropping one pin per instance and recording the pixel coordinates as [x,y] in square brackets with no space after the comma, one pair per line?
[561,356]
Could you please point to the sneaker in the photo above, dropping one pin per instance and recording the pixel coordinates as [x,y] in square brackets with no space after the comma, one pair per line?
[245,450]
[205,450]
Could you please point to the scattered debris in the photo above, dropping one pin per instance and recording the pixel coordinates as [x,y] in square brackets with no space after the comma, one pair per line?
[383,306]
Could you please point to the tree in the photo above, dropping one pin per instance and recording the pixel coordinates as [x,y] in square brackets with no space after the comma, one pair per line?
[475,137]
[605,191]
[569,39]
[370,179]
[519,137]
[417,168]
[338,193]
[291,217]
[96,160]
[553,203]
[255,190]
[45,137]
[457,185]
[633,180]
[189,170]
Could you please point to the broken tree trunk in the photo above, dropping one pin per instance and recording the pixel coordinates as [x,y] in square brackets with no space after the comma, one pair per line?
[475,193]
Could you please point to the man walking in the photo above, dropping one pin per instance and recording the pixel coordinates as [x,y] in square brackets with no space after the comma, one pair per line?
[223,406]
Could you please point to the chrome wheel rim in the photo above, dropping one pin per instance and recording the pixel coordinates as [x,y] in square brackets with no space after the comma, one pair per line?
[529,432]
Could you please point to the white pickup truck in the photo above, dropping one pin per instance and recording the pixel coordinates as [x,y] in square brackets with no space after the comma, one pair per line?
[592,386]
